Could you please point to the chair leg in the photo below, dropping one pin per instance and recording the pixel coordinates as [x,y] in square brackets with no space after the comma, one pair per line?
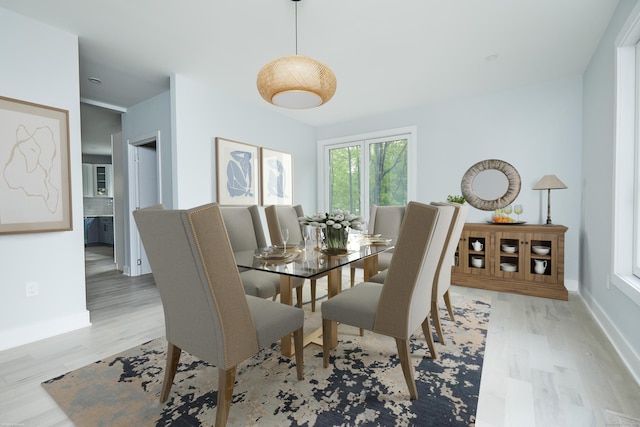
[299,296]
[435,316]
[407,368]
[353,276]
[226,379]
[298,337]
[313,295]
[173,357]
[426,329]
[326,341]
[447,302]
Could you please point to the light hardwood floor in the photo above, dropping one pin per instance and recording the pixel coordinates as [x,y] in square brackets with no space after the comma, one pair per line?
[546,362]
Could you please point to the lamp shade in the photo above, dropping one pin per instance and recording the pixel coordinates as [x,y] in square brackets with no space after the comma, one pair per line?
[296,81]
[549,182]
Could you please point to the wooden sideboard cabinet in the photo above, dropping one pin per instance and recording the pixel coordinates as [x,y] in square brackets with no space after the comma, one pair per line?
[481,261]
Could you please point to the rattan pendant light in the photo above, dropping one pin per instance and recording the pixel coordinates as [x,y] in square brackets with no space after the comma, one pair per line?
[296,81]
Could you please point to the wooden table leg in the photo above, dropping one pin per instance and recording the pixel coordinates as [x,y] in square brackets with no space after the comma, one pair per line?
[370,267]
[334,283]
[286,297]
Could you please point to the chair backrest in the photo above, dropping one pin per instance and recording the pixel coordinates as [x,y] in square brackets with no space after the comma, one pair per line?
[409,282]
[281,217]
[443,277]
[205,307]
[244,227]
[386,220]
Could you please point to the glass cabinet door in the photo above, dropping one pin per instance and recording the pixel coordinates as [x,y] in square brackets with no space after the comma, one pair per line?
[541,258]
[102,180]
[509,255]
[474,255]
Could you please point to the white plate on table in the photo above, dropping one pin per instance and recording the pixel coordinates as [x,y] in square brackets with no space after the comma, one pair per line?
[275,256]
[376,241]
[290,246]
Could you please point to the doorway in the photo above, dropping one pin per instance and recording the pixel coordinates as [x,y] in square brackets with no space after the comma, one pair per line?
[98,125]
[145,190]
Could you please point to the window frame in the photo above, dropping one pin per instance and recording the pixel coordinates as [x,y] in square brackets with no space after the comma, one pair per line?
[324,145]
[625,259]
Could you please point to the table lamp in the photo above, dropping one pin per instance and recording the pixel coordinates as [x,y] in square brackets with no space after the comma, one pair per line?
[549,182]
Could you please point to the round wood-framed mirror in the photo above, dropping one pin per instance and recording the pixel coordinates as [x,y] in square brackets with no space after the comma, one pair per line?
[491,184]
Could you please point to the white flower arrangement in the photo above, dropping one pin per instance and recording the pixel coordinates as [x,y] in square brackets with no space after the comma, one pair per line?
[337,219]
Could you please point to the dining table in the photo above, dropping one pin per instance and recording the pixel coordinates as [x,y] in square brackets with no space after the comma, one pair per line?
[309,263]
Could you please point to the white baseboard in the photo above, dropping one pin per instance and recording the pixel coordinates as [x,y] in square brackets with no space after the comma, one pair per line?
[571,285]
[20,336]
[629,357]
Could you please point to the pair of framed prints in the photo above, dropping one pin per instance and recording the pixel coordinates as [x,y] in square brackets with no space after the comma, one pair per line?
[251,175]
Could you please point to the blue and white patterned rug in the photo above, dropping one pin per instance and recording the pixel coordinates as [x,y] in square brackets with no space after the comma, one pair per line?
[363,385]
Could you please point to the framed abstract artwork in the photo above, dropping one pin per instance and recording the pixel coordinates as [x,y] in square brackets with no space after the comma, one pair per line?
[277,177]
[238,173]
[35,180]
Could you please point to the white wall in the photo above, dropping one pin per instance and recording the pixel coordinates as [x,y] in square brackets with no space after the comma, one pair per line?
[40,65]
[202,113]
[536,129]
[617,314]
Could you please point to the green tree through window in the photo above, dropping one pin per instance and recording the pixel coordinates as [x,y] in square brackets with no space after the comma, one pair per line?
[344,179]
[388,173]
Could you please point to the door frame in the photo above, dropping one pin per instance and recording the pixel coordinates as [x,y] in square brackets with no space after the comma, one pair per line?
[135,243]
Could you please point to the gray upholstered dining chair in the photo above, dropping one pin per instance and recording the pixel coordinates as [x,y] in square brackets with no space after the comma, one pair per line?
[443,277]
[397,309]
[385,220]
[281,217]
[244,227]
[206,310]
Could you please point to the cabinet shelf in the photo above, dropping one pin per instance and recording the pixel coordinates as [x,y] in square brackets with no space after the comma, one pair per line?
[536,275]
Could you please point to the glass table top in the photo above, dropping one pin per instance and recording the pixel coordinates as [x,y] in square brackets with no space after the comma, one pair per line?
[302,263]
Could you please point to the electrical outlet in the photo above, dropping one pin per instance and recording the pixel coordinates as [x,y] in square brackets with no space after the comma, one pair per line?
[31,289]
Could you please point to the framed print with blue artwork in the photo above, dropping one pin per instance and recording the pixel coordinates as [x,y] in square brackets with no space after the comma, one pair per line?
[277,177]
[238,173]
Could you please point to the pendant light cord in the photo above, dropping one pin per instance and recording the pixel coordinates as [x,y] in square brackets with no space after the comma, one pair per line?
[296,26]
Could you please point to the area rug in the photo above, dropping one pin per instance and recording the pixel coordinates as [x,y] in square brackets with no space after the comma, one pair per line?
[363,385]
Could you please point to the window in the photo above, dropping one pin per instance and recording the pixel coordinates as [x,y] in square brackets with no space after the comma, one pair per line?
[626,232]
[358,171]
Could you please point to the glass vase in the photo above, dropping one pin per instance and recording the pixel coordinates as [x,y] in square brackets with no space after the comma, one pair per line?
[335,240]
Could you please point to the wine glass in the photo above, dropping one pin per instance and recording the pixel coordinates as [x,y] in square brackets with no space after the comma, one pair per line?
[285,237]
[305,235]
[508,209]
[518,210]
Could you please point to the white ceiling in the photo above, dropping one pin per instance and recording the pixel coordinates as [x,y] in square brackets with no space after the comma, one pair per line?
[387,55]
